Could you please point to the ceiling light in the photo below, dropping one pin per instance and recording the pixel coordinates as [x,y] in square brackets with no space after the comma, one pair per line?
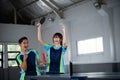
[51,19]
[98,4]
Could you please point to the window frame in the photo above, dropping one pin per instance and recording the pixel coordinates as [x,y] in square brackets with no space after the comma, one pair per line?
[12,59]
[8,52]
[1,60]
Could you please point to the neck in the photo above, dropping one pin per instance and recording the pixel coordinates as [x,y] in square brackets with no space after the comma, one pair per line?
[24,51]
[57,45]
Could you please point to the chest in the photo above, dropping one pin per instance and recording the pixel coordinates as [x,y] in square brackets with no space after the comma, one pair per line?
[31,58]
[55,54]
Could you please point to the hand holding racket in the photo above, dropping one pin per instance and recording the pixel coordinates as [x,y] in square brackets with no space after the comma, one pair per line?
[44,58]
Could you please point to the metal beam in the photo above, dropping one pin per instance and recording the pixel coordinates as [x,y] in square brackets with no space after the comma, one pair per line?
[15,12]
[71,5]
[54,8]
[27,5]
[15,16]
[63,9]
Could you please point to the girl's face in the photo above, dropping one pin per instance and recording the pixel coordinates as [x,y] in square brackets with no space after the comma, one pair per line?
[56,40]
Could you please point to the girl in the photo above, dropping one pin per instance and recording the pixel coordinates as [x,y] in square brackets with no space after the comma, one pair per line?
[55,53]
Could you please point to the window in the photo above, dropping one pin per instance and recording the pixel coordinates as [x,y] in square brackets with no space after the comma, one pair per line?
[1,55]
[88,46]
[13,51]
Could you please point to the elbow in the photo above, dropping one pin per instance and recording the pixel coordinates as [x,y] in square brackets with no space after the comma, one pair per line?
[64,41]
[41,41]
[64,44]
[38,40]
[24,68]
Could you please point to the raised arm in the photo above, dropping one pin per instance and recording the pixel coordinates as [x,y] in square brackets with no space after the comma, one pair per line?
[41,63]
[64,37]
[39,34]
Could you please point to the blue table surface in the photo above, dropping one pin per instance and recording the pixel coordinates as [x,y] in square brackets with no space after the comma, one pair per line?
[104,75]
[112,75]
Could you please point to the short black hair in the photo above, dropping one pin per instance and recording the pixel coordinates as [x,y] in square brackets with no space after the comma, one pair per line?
[21,39]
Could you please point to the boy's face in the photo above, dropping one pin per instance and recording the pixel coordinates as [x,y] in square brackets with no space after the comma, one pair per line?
[24,45]
[56,40]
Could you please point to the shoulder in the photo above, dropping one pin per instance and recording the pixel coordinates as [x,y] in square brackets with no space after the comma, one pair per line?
[32,50]
[64,47]
[19,55]
[47,46]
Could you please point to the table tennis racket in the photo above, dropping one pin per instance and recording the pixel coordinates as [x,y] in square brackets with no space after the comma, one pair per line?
[44,57]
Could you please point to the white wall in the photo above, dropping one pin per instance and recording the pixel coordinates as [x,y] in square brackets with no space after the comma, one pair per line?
[50,28]
[117,32]
[84,21]
[11,33]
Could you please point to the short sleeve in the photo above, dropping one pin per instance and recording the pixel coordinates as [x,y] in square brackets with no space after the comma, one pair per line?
[47,47]
[36,54]
[64,50]
[18,59]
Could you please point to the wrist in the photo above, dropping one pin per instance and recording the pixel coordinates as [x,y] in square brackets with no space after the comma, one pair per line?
[38,27]
[63,31]
[24,60]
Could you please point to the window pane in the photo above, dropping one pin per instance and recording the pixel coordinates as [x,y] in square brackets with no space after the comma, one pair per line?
[13,47]
[0,64]
[90,46]
[0,55]
[0,47]
[0,51]
[12,63]
[12,55]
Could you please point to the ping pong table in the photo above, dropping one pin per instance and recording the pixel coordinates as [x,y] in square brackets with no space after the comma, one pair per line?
[56,77]
[79,76]
[100,75]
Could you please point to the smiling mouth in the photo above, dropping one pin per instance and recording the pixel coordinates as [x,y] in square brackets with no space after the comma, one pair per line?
[25,47]
[56,41]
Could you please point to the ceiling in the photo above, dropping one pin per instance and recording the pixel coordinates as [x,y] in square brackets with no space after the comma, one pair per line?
[24,11]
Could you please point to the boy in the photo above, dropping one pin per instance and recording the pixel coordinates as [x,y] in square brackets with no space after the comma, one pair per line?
[28,59]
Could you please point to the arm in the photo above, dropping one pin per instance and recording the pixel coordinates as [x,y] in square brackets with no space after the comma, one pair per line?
[39,34]
[64,37]
[24,64]
[41,63]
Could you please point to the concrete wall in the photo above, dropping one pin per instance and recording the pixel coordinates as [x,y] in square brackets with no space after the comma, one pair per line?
[11,33]
[117,32]
[84,21]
